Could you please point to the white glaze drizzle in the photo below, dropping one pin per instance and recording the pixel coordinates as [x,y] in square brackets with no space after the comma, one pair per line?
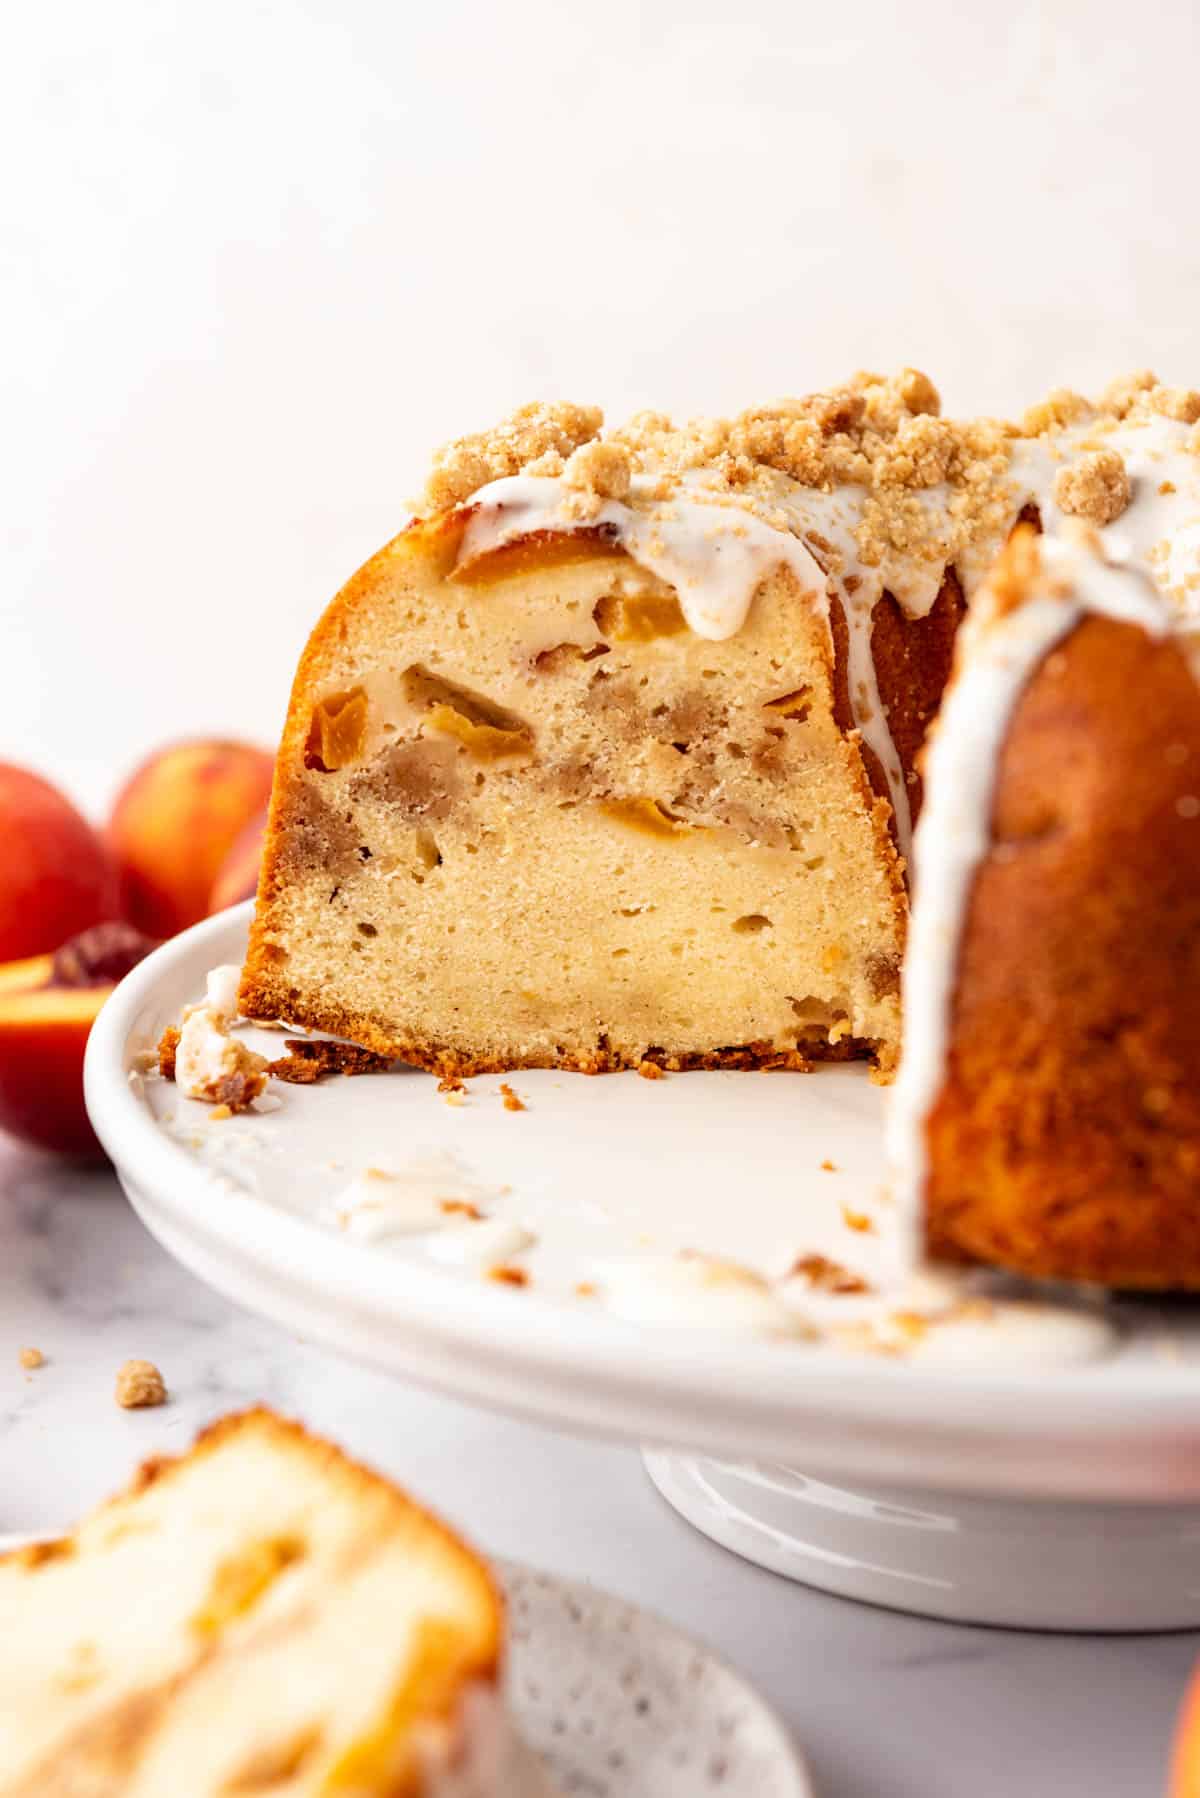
[1157,532]
[997,658]
[694,1291]
[716,555]
[715,552]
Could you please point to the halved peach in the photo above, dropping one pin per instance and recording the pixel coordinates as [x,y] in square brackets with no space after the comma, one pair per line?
[48,1004]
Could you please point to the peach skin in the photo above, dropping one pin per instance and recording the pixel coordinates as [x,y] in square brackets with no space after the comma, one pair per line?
[56,876]
[175,822]
[238,877]
[1185,1755]
[47,1007]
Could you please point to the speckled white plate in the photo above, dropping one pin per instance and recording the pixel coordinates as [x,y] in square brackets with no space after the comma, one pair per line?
[967,1484]
[618,1704]
[621,1705]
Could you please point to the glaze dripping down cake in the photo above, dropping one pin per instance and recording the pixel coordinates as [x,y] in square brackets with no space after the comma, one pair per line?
[612,755]
[1046,1117]
[259,1616]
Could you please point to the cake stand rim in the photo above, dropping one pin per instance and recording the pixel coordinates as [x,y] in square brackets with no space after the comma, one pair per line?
[1134,1438]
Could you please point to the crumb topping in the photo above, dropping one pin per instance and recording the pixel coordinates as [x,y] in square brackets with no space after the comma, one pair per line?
[1095,487]
[882,435]
[604,469]
[139,1384]
[904,492]
[531,432]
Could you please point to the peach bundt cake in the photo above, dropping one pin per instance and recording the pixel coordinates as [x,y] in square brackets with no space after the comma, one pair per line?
[1046,1117]
[611,756]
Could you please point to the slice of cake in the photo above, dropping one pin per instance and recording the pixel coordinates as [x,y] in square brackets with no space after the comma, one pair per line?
[1046,1117]
[610,756]
[259,1616]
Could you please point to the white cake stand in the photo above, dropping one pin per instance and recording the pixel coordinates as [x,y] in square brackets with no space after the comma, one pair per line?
[996,1489]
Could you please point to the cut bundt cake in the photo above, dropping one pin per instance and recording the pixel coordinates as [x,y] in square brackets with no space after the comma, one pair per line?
[611,756]
[1046,1117]
[261,1615]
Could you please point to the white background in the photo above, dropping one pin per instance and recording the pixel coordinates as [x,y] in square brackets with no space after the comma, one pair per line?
[258,258]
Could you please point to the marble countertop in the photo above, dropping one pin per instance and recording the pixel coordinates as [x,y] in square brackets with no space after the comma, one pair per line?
[886,1706]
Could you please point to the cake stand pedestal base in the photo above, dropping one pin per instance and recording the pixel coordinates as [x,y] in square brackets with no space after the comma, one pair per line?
[1027,1564]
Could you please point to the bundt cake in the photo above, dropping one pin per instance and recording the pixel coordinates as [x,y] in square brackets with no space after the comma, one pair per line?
[259,1615]
[610,757]
[1046,1116]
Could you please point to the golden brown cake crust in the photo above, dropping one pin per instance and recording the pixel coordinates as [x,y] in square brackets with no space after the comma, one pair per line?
[287,1432]
[1066,1140]
[274,998]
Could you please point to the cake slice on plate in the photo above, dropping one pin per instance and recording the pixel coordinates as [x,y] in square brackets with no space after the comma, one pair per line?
[258,1616]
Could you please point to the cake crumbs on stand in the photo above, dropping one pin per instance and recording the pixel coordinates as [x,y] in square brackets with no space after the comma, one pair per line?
[507,1275]
[139,1386]
[512,1100]
[31,1358]
[826,1275]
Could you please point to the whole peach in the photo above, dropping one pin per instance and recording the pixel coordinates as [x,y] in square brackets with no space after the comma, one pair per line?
[238,876]
[175,821]
[56,876]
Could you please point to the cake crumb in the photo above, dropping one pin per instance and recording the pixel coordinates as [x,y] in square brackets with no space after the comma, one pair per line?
[461,1208]
[450,1083]
[1096,487]
[219,1112]
[139,1384]
[508,1275]
[310,1059]
[512,1100]
[168,1043]
[600,468]
[585,1289]
[31,1358]
[650,1070]
[462,467]
[827,1167]
[1179,403]
[456,1096]
[858,1221]
[825,1275]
